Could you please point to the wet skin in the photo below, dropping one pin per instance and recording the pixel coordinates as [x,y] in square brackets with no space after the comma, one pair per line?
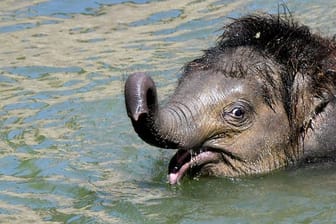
[242,109]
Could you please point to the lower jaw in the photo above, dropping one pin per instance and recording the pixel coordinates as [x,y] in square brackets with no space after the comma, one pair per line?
[200,165]
[216,168]
[194,172]
[213,169]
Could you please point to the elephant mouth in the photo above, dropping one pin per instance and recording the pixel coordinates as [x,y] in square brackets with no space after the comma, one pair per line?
[190,162]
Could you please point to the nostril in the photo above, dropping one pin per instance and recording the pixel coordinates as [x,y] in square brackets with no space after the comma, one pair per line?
[140,96]
[142,108]
[151,99]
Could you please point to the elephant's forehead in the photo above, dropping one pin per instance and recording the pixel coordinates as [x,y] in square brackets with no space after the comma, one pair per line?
[206,82]
[216,89]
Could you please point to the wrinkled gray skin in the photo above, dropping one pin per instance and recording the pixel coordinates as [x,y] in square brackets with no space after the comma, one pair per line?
[228,120]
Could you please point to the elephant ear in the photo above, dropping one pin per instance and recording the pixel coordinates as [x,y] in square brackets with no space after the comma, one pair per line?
[310,96]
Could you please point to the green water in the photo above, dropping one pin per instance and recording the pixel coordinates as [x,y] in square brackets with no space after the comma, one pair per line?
[68,153]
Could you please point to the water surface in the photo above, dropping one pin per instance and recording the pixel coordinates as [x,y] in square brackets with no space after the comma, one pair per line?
[67,150]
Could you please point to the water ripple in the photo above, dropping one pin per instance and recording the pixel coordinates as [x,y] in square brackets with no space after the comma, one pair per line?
[68,153]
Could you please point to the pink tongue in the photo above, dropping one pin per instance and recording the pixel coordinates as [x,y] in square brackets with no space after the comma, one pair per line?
[178,166]
[182,162]
[174,178]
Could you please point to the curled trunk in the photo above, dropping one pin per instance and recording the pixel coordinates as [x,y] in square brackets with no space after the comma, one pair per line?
[142,107]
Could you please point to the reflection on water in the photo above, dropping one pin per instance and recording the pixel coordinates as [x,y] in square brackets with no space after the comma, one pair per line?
[68,152]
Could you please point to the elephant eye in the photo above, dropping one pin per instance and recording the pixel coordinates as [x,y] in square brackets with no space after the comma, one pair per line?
[238,112]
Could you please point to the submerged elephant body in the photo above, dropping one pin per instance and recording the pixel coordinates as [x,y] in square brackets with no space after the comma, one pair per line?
[262,99]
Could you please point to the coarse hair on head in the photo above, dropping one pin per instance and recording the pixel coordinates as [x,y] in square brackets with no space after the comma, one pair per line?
[293,49]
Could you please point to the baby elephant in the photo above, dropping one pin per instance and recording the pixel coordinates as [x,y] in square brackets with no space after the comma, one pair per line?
[262,99]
